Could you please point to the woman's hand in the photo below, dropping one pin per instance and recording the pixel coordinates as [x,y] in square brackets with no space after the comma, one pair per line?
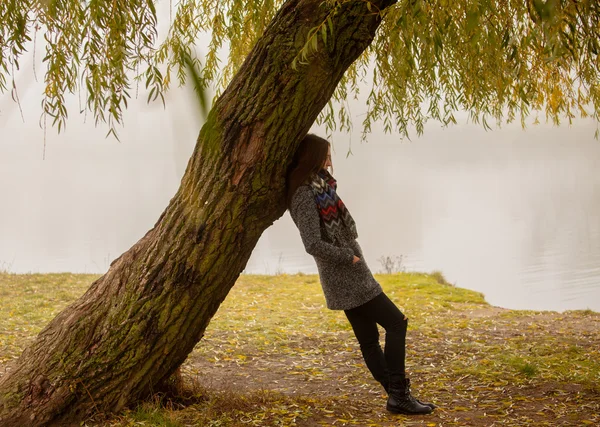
[355,260]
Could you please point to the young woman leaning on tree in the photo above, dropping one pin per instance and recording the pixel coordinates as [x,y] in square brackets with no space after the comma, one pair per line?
[329,235]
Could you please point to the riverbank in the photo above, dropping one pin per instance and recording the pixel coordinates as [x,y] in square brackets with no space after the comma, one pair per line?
[273,355]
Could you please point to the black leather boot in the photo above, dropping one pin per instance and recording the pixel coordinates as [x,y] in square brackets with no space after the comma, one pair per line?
[386,387]
[400,401]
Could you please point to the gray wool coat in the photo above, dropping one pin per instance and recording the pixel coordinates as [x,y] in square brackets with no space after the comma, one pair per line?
[345,285]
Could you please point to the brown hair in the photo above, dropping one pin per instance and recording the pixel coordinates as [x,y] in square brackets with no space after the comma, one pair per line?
[308,159]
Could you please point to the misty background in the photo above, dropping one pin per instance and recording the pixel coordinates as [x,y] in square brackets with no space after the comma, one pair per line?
[511,213]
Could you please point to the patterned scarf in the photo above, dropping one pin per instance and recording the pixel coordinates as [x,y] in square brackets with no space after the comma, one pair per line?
[332,210]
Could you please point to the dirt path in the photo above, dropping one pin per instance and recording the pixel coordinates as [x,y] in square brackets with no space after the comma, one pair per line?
[275,356]
[330,368]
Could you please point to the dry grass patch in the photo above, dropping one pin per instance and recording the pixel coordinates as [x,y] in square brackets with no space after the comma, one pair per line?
[274,355]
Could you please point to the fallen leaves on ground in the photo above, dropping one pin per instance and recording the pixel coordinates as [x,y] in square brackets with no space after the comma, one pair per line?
[275,356]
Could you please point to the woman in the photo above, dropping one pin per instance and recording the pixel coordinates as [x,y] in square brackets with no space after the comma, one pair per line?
[329,235]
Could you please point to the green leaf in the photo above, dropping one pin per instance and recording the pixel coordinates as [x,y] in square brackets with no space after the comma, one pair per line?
[330,25]
[313,43]
[150,95]
[472,20]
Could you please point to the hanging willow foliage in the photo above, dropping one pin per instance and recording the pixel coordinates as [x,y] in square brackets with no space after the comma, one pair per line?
[500,60]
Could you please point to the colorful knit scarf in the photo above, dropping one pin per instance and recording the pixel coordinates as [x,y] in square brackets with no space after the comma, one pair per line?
[332,210]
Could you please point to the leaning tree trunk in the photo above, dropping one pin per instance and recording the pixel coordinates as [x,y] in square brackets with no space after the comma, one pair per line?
[136,324]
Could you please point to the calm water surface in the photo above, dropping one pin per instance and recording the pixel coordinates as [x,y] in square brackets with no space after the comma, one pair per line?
[512,214]
[517,221]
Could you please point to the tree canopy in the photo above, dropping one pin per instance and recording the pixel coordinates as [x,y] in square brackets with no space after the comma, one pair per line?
[500,60]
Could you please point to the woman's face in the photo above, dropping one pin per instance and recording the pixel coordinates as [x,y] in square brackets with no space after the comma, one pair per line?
[328,165]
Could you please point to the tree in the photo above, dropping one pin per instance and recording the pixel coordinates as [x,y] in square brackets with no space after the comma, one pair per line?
[498,59]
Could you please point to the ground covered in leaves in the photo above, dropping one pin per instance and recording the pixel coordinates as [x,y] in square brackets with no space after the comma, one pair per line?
[275,356]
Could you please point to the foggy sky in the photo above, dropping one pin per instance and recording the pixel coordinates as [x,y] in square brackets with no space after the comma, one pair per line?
[507,212]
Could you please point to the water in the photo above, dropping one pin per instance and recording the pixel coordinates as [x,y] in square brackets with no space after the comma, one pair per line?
[512,214]
[517,220]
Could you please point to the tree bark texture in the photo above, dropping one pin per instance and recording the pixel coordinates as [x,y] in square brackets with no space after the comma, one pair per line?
[136,324]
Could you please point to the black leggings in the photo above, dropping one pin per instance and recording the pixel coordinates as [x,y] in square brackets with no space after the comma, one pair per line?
[386,366]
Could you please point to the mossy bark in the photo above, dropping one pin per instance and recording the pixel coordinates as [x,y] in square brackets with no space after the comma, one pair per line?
[135,325]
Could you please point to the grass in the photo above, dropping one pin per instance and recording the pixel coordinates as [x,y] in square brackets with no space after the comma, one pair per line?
[28,302]
[275,356]
[439,277]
